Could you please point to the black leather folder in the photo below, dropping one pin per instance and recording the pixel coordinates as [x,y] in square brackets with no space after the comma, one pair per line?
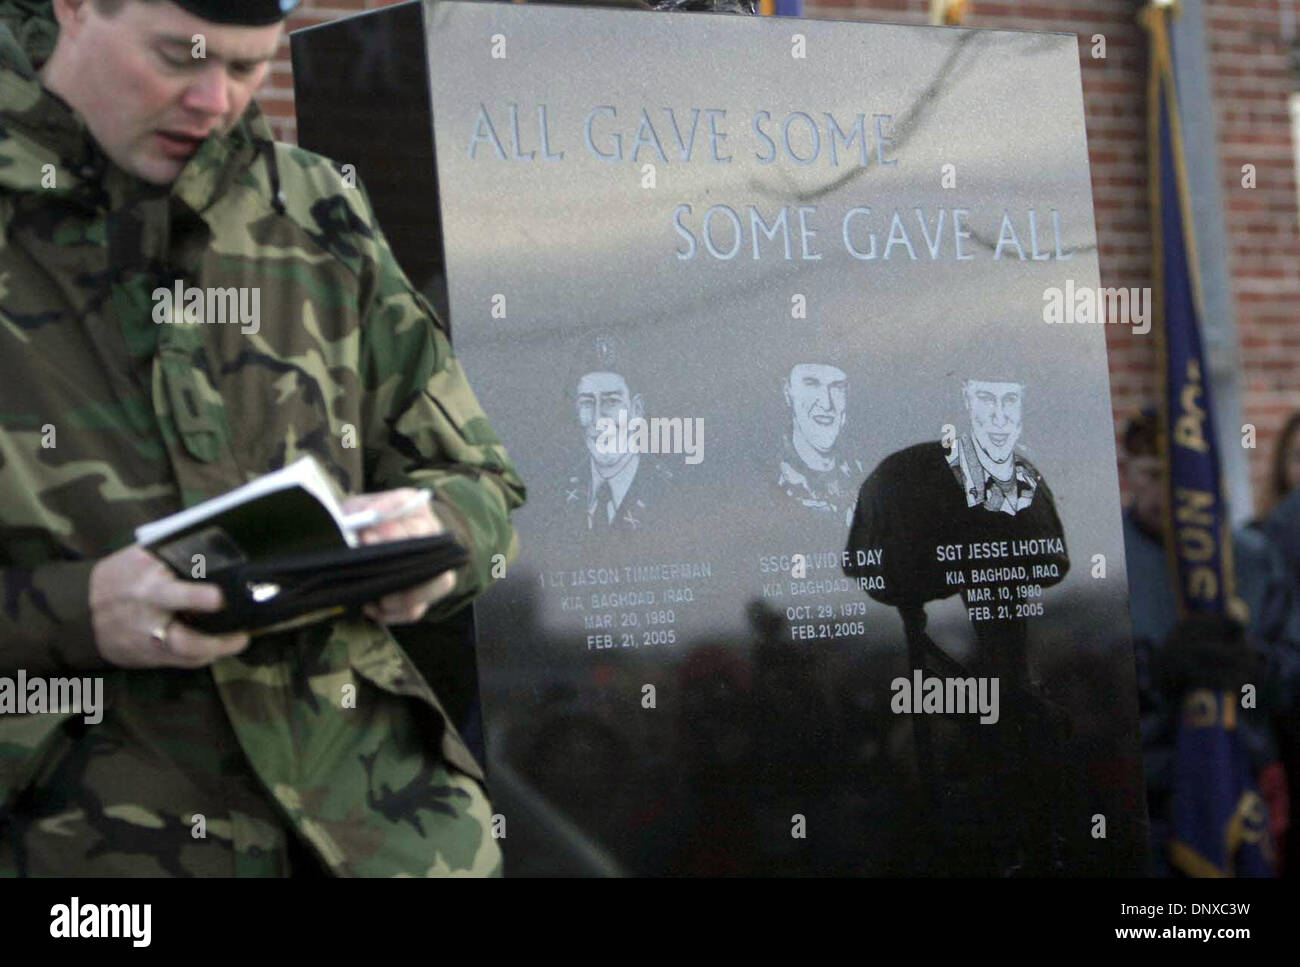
[289,592]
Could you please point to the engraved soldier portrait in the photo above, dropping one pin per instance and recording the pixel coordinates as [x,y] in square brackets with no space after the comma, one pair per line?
[983,458]
[968,514]
[614,486]
[813,471]
[974,487]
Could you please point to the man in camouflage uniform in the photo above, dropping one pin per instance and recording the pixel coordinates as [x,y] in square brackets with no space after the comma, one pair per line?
[132,157]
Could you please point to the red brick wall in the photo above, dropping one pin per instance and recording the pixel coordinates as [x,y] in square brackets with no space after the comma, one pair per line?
[1251,84]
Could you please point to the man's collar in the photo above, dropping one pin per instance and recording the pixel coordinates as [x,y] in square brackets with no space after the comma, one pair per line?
[43,129]
[220,158]
[803,452]
[974,477]
[31,33]
[620,483]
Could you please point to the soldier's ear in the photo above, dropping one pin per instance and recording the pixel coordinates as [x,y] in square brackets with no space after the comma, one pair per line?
[785,391]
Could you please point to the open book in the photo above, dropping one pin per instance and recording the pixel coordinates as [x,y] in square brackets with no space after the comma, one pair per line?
[297,508]
[285,553]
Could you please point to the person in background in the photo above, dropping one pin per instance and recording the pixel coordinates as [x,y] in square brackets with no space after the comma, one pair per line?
[1174,657]
[1281,526]
[1284,470]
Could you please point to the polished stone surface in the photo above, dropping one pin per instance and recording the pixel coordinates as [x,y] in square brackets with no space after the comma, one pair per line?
[814,245]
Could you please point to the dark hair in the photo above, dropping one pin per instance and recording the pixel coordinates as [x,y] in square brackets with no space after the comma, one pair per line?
[1142,435]
[1277,472]
[601,351]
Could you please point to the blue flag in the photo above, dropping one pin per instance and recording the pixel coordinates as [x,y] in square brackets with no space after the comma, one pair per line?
[1219,820]
[1199,524]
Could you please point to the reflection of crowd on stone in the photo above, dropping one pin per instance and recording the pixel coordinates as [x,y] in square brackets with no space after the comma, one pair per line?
[749,744]
[750,731]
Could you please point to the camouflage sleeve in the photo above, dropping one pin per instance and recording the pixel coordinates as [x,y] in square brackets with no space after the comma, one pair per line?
[45,619]
[424,426]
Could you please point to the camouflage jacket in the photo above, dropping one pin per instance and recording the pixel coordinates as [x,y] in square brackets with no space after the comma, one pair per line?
[108,420]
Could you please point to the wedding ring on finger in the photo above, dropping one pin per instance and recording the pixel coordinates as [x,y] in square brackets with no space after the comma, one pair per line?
[159,637]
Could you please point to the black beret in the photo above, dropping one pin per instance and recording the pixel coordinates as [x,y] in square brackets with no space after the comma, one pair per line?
[247,13]
[603,351]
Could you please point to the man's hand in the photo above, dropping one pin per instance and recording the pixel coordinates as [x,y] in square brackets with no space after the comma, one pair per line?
[402,607]
[133,594]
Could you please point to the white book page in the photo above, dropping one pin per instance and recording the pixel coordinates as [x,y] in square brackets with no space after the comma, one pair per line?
[304,472]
